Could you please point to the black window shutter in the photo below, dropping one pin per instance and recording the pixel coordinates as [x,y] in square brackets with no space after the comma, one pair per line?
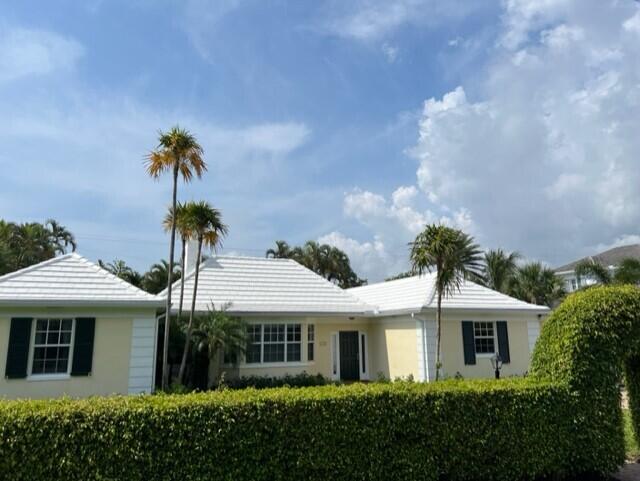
[83,346]
[503,341]
[469,343]
[18,351]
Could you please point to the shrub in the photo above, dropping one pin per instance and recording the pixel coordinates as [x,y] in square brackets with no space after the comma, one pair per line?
[455,430]
[262,382]
[585,345]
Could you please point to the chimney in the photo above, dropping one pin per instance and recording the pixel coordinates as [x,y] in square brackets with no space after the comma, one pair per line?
[191,254]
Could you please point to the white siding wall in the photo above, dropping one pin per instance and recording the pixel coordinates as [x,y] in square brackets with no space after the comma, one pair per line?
[426,343]
[141,361]
[533,330]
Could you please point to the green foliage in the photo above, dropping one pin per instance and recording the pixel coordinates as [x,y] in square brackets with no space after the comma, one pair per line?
[537,284]
[498,269]
[263,382]
[323,259]
[22,245]
[455,430]
[401,275]
[586,344]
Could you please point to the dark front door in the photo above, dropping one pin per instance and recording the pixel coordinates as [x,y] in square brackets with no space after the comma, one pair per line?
[349,358]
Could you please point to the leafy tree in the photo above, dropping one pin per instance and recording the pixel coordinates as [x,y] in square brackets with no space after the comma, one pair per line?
[537,284]
[155,279]
[594,270]
[219,333]
[454,256]
[327,261]
[180,154]
[205,224]
[498,269]
[627,271]
[120,269]
[402,275]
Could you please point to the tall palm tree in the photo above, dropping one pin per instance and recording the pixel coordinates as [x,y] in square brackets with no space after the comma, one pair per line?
[498,269]
[281,251]
[594,270]
[454,255]
[181,222]
[179,153]
[120,269]
[207,228]
[537,284]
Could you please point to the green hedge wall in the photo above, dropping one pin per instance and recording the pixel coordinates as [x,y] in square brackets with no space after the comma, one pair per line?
[586,344]
[456,430]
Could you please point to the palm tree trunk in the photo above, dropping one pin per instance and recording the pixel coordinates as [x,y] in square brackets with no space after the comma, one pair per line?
[167,319]
[182,260]
[438,332]
[187,342]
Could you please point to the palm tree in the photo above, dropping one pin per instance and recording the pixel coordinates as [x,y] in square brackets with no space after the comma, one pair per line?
[218,332]
[498,269]
[120,269]
[179,153]
[155,279]
[61,237]
[454,256]
[206,225]
[594,270]
[180,220]
[537,284]
[281,251]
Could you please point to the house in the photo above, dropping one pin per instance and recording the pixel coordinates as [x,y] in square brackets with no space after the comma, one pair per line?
[68,327]
[609,259]
[300,322]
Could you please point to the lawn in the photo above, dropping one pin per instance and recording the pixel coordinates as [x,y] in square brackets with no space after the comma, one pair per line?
[631,445]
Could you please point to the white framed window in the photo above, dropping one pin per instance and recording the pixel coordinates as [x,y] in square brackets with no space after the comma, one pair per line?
[274,343]
[311,340]
[484,334]
[51,347]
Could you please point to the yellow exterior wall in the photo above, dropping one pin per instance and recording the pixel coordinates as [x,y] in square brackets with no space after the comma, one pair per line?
[111,352]
[453,351]
[393,343]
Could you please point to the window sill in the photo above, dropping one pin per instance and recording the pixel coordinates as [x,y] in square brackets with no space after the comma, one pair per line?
[266,365]
[48,377]
[486,355]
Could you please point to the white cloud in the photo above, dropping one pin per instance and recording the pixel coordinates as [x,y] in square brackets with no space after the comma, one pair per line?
[29,52]
[370,20]
[543,157]
[633,23]
[390,52]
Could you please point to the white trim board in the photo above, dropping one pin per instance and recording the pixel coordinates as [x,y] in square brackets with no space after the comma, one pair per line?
[142,358]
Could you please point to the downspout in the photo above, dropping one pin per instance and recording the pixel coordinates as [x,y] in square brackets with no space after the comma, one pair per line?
[423,345]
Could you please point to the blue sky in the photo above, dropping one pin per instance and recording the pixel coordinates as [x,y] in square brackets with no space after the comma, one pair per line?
[353,123]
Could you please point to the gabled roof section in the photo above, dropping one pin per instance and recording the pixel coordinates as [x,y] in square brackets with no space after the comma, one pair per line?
[414,294]
[70,279]
[607,258]
[265,286]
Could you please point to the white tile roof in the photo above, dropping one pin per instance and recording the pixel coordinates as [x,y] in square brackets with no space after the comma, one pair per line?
[413,294]
[70,279]
[260,285]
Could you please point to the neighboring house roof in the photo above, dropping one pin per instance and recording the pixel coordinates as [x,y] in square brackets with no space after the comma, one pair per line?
[70,279]
[414,294]
[261,285]
[607,258]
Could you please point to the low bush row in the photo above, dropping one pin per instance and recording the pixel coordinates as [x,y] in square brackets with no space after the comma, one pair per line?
[263,382]
[453,430]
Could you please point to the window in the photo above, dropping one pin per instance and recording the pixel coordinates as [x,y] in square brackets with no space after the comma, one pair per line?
[574,284]
[484,334]
[311,339]
[52,346]
[268,343]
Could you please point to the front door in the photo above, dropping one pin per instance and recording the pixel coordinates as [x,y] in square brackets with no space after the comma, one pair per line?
[349,356]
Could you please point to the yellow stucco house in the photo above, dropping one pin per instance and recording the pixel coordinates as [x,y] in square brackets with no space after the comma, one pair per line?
[68,327]
[299,322]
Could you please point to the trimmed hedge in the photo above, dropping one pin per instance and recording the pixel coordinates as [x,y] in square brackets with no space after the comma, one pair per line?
[587,344]
[456,430]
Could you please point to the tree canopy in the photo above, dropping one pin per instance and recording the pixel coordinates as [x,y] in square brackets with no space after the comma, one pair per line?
[327,261]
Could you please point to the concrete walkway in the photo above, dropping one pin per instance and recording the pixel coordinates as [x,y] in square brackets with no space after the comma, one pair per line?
[630,472]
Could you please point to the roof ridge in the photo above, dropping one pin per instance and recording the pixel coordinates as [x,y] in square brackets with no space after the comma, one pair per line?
[109,275]
[10,275]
